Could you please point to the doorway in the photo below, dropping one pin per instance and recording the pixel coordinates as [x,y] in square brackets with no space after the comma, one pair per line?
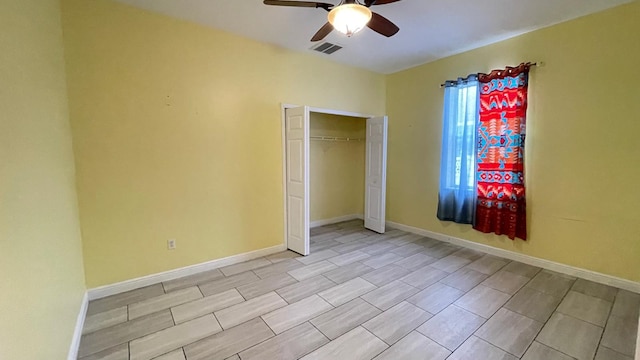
[296,134]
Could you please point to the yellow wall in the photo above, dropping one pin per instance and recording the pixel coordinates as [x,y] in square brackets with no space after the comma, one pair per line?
[41,272]
[177,134]
[336,171]
[582,151]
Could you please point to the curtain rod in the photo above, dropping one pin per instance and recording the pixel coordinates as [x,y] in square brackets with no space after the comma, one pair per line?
[540,64]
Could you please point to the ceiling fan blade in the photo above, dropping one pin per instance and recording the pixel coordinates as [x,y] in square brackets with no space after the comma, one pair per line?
[382,25]
[325,30]
[311,4]
[368,3]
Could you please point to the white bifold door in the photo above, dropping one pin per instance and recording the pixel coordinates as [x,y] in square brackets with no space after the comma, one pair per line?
[376,174]
[297,178]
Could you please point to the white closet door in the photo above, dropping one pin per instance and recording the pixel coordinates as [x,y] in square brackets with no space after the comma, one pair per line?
[297,140]
[376,174]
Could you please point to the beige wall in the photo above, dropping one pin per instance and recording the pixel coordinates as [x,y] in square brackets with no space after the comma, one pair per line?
[336,168]
[177,134]
[582,151]
[41,272]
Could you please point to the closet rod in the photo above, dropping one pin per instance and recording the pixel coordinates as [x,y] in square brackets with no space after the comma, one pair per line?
[334,138]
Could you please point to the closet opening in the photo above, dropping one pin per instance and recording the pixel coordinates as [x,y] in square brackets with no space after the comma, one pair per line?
[336,168]
[334,171]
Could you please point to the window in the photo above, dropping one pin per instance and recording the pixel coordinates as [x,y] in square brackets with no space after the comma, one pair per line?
[465,125]
[458,165]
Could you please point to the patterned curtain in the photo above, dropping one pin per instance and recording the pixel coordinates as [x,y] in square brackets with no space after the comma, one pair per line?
[500,206]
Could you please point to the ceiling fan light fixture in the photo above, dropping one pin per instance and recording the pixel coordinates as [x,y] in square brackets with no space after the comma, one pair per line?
[349,18]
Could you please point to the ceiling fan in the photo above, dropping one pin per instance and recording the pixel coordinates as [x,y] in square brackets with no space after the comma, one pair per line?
[348,17]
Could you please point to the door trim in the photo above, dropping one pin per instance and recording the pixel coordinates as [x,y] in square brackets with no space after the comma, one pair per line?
[283,118]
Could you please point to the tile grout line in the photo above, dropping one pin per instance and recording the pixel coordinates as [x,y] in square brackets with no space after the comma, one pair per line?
[403,300]
[416,330]
[489,318]
[502,307]
[612,350]
[183,346]
[465,339]
[323,334]
[261,342]
[195,341]
[376,336]
[365,300]
[554,311]
[607,323]
[201,293]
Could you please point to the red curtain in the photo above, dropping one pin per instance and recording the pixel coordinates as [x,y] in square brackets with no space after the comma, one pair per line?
[501,206]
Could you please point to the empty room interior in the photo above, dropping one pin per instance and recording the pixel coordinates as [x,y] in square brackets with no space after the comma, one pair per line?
[196,179]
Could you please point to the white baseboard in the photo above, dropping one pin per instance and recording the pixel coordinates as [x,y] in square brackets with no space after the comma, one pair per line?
[77,333]
[511,255]
[335,220]
[112,289]
[638,342]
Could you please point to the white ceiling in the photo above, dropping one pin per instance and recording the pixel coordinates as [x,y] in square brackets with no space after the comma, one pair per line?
[429,30]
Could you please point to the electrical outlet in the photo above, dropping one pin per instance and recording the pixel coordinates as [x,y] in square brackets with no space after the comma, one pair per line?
[171,244]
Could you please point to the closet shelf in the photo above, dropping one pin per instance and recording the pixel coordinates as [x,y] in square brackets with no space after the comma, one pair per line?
[334,138]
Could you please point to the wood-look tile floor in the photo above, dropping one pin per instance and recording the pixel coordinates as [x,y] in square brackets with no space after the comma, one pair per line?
[361,295]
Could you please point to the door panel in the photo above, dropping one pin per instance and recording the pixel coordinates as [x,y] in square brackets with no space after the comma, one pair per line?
[376,174]
[297,170]
[374,203]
